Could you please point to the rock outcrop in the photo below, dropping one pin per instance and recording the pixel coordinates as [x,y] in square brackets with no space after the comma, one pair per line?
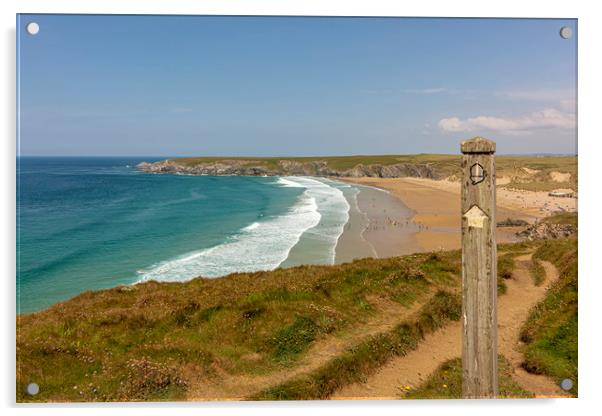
[546,231]
[284,167]
[512,222]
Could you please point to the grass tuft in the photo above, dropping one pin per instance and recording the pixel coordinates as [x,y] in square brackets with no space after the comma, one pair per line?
[537,271]
[505,267]
[446,383]
[293,339]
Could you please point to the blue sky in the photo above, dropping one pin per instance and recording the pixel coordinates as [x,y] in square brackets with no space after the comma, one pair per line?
[278,86]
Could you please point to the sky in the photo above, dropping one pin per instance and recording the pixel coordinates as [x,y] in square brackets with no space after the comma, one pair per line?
[292,86]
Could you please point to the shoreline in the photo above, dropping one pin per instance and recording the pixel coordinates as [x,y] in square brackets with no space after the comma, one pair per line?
[398,216]
[435,206]
[380,225]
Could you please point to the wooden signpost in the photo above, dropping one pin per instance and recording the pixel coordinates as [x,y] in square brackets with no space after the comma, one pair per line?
[479,270]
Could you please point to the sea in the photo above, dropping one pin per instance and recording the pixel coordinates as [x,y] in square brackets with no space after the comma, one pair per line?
[92,223]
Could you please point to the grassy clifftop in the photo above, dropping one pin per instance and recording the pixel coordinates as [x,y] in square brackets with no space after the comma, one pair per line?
[446,162]
[520,172]
[294,333]
[158,341]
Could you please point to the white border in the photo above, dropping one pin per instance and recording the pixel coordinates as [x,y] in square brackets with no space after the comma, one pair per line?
[590,95]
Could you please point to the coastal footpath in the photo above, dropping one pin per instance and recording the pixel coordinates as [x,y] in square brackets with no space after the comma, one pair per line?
[308,332]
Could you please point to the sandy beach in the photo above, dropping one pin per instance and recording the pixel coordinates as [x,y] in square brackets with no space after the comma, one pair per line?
[428,215]
[380,225]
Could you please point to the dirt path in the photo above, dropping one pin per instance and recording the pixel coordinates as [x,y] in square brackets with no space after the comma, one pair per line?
[230,387]
[511,321]
[445,344]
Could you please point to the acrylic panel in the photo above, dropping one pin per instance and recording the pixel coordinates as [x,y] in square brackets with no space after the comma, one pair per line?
[295,208]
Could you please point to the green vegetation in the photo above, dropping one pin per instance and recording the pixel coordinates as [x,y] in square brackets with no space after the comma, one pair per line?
[550,333]
[524,172]
[446,382]
[562,218]
[446,163]
[522,247]
[363,359]
[151,341]
[537,271]
[535,173]
[505,263]
[160,341]
[505,266]
[292,340]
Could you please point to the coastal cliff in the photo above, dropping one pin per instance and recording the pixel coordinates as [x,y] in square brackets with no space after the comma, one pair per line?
[287,167]
[530,173]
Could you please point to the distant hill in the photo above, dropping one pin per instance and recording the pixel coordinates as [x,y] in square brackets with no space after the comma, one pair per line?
[520,172]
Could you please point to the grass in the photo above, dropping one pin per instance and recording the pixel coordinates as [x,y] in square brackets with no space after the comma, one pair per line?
[89,348]
[505,262]
[363,359]
[294,339]
[444,165]
[550,332]
[152,341]
[505,266]
[446,382]
[562,218]
[539,179]
[537,271]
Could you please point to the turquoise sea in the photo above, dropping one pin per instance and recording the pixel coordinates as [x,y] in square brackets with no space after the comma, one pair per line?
[92,223]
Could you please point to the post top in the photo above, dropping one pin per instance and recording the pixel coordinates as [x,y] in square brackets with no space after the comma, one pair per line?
[478,145]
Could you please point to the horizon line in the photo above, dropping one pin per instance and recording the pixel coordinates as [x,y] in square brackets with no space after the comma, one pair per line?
[295,156]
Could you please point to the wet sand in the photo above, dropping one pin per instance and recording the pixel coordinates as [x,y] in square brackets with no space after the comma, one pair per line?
[380,225]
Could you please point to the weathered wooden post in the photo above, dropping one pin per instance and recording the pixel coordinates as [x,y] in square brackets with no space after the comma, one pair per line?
[479,270]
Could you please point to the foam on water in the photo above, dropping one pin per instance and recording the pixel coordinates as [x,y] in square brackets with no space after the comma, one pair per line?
[251,227]
[333,208]
[259,246]
[320,212]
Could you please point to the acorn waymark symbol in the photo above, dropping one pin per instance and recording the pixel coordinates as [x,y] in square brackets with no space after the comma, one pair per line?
[477,173]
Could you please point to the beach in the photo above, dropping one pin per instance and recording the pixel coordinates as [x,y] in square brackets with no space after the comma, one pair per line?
[431,214]
[178,227]
[380,225]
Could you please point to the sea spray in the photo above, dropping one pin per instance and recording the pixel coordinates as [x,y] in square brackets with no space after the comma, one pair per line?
[314,223]
[318,244]
[262,245]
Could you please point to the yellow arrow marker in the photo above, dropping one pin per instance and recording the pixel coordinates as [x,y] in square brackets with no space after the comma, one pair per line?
[476,217]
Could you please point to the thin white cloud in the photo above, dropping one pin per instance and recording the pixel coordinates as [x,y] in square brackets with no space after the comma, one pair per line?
[549,118]
[436,90]
[548,95]
[565,99]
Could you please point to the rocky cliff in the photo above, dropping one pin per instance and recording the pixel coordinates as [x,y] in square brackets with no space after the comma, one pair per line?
[287,167]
